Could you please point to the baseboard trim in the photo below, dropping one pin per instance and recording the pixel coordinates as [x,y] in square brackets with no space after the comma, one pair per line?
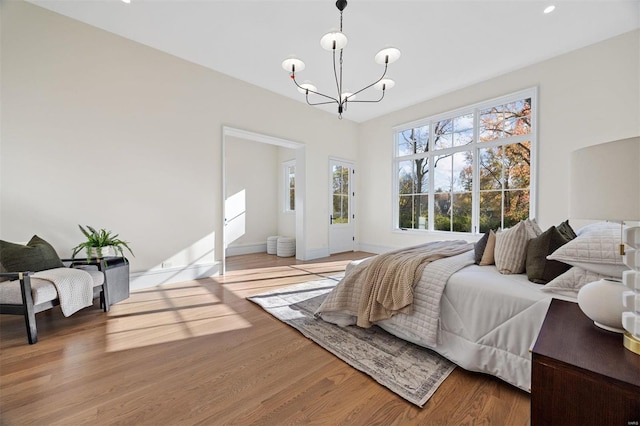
[316,253]
[246,249]
[158,277]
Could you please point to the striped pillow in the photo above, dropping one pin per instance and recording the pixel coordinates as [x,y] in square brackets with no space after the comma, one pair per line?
[511,249]
[533,229]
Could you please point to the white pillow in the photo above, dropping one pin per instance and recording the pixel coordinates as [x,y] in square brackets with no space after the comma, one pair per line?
[511,249]
[598,226]
[569,283]
[596,250]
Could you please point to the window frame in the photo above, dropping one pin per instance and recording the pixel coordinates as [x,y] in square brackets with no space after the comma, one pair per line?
[475,146]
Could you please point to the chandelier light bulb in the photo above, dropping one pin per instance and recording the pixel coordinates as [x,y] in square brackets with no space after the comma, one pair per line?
[292,64]
[333,40]
[387,56]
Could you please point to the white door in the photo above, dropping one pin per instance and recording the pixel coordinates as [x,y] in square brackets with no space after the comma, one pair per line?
[341,216]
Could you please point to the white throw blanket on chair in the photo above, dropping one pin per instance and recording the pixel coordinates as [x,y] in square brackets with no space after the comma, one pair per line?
[74,286]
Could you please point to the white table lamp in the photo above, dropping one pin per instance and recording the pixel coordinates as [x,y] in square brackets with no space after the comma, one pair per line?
[604,184]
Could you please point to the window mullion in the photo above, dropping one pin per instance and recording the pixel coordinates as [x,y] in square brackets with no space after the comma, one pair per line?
[451,197]
[430,195]
[502,189]
[475,185]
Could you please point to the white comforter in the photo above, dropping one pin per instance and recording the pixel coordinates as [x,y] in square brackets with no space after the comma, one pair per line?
[488,322]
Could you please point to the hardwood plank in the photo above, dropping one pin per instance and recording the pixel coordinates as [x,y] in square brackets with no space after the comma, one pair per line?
[199,353]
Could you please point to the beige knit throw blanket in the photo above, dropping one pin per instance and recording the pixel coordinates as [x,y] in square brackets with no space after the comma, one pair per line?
[381,286]
[74,287]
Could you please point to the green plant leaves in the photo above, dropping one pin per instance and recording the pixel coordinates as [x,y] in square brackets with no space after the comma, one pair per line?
[97,239]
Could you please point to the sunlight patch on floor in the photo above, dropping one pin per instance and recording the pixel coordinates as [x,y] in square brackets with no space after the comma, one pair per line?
[151,317]
[197,308]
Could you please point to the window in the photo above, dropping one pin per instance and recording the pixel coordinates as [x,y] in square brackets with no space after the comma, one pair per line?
[289,186]
[469,170]
[340,188]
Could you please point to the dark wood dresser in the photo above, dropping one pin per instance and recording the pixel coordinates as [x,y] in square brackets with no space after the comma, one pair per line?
[581,374]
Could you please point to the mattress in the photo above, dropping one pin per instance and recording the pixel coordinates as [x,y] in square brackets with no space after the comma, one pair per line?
[488,322]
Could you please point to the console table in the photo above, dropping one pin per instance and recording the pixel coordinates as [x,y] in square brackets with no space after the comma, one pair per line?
[581,374]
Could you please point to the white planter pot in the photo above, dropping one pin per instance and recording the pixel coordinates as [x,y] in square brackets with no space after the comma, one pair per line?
[106,251]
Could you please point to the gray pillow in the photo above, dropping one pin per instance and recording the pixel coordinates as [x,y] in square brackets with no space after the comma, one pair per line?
[37,255]
[539,269]
[480,246]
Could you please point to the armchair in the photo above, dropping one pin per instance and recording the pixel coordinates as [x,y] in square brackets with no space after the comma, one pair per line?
[39,288]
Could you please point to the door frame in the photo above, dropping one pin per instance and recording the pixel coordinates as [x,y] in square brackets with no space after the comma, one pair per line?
[300,183]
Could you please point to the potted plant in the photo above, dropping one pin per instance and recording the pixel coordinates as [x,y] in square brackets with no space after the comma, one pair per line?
[101,243]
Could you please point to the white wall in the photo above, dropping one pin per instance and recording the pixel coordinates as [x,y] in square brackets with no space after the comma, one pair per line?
[251,180]
[586,97]
[100,130]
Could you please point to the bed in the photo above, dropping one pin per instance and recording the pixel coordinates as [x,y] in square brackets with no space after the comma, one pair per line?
[487,320]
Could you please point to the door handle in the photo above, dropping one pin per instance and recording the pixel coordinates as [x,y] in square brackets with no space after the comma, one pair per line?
[330,219]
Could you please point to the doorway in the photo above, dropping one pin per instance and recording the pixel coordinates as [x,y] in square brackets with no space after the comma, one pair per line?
[232,208]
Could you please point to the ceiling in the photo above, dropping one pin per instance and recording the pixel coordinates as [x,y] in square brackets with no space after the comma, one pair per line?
[446,45]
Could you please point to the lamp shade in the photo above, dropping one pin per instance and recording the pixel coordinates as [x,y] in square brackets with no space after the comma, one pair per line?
[604,181]
[333,40]
[385,83]
[387,56]
[292,64]
[307,85]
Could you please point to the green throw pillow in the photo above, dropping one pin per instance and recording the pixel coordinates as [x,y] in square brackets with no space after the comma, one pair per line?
[566,230]
[539,269]
[37,255]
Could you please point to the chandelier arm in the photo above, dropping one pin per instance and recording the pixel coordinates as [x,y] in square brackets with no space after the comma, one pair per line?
[293,77]
[369,101]
[321,103]
[372,84]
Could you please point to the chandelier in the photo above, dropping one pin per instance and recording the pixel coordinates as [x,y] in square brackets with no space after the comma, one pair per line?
[335,42]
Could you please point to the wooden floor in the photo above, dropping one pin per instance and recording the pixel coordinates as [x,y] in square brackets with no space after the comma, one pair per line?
[199,353]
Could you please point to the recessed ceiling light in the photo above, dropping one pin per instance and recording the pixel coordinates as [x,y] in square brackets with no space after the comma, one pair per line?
[129,1]
[549,9]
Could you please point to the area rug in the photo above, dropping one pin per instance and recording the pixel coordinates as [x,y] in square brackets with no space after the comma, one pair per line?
[410,371]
